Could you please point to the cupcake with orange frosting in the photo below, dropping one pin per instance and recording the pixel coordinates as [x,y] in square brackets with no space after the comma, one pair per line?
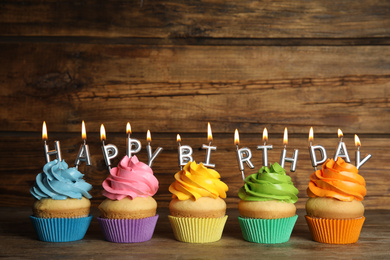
[128,215]
[267,209]
[197,209]
[334,209]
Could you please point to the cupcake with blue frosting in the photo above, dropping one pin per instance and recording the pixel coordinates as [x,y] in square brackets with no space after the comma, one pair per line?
[62,206]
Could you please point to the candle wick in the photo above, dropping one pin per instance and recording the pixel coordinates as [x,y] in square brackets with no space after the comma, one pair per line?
[210,143]
[85,142]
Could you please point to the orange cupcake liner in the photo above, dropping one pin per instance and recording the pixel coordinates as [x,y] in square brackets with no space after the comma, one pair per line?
[335,231]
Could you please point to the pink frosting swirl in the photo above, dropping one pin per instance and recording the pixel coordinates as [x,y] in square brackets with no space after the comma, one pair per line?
[131,178]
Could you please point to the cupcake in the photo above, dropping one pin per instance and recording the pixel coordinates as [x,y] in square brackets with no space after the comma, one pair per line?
[61,211]
[197,209]
[334,209]
[267,210]
[128,214]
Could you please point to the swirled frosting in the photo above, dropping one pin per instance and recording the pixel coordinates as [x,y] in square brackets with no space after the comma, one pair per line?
[269,184]
[338,180]
[131,178]
[59,182]
[196,181]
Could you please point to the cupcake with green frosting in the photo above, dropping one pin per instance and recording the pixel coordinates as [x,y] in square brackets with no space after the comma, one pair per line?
[267,210]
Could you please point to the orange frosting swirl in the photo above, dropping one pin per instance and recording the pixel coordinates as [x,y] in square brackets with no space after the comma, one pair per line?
[338,180]
[196,181]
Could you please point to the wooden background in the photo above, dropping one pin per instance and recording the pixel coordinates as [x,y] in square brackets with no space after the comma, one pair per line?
[173,66]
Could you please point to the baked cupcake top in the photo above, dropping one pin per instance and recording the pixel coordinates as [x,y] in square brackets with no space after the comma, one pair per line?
[131,178]
[196,181]
[269,184]
[337,180]
[59,182]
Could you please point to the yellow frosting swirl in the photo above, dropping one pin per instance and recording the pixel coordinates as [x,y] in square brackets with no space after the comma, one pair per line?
[196,181]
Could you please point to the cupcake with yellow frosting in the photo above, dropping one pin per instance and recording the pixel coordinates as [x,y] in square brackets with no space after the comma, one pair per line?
[197,209]
[334,209]
[267,210]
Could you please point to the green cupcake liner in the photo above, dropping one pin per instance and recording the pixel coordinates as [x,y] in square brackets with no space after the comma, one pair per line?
[267,231]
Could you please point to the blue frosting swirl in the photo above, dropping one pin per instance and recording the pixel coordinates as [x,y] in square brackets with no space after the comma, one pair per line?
[59,182]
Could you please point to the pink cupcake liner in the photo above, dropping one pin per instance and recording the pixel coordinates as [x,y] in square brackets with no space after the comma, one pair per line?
[128,230]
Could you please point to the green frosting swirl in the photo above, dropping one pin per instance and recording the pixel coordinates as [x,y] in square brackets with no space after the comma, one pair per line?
[269,184]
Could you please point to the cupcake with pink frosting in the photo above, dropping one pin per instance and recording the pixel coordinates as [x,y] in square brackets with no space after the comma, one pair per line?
[128,214]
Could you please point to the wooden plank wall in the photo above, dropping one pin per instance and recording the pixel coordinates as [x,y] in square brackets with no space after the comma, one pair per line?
[173,66]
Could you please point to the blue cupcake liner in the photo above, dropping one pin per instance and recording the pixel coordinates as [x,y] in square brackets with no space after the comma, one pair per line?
[61,229]
[267,231]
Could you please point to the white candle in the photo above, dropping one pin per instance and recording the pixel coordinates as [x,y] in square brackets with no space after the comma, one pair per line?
[283,157]
[131,142]
[151,156]
[243,155]
[110,151]
[265,147]
[312,151]
[48,152]
[83,154]
[341,148]
[209,148]
[184,153]
[359,162]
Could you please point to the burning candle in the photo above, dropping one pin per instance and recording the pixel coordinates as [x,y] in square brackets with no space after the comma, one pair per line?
[184,153]
[110,151]
[312,151]
[56,151]
[149,150]
[131,142]
[283,157]
[243,155]
[341,148]
[209,148]
[83,154]
[358,162]
[265,147]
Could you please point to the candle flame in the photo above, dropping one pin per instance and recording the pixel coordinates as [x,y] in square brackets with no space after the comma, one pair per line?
[102,133]
[178,139]
[339,133]
[209,134]
[83,131]
[311,134]
[128,128]
[357,141]
[265,135]
[148,136]
[285,137]
[44,131]
[236,138]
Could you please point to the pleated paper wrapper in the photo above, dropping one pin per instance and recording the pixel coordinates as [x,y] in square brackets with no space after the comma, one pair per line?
[61,229]
[267,231]
[128,230]
[335,231]
[197,230]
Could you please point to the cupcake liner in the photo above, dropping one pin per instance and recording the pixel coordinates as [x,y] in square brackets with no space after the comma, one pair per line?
[335,231]
[197,230]
[61,229]
[267,231]
[128,230]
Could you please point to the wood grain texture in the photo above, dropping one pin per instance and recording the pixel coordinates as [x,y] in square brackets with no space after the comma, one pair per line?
[21,242]
[210,19]
[19,170]
[230,86]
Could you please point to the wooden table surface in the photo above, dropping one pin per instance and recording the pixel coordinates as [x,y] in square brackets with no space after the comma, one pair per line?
[18,240]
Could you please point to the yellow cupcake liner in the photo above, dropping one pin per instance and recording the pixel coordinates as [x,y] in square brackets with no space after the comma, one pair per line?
[335,231]
[197,230]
